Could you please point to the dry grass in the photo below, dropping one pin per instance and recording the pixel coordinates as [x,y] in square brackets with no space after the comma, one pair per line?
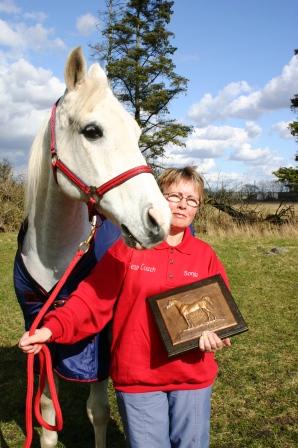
[211,221]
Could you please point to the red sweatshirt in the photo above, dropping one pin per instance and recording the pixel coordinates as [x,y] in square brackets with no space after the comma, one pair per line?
[139,362]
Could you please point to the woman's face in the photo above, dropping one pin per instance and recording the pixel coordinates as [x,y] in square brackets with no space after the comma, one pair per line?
[182,213]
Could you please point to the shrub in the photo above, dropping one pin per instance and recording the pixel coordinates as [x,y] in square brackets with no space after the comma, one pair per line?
[11,198]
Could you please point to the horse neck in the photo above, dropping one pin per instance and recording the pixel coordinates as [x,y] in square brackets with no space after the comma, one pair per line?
[56,226]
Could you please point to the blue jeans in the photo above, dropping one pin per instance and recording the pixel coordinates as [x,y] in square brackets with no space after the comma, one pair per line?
[175,419]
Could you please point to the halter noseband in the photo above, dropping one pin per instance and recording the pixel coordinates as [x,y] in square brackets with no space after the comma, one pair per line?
[90,191]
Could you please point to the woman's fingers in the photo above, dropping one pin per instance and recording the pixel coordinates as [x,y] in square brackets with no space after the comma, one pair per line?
[33,349]
[227,342]
[210,342]
[33,344]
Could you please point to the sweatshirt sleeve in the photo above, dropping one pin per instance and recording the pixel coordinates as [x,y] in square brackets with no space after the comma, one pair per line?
[90,307]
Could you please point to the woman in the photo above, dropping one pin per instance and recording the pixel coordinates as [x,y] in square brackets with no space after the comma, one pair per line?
[163,402]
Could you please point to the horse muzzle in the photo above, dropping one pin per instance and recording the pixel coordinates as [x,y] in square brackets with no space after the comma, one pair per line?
[152,231]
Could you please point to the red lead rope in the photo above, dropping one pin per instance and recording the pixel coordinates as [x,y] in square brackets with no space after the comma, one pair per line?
[45,361]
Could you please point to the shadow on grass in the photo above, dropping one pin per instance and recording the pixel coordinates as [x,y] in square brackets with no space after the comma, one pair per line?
[77,429]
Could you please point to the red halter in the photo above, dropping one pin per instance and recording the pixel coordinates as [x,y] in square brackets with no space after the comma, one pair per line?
[90,191]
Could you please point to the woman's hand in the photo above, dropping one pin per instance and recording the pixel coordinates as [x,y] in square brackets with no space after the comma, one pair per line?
[210,342]
[32,344]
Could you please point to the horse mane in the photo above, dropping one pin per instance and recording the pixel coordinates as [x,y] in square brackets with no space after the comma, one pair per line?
[37,159]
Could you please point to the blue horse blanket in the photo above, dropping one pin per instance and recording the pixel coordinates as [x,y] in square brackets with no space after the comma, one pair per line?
[87,360]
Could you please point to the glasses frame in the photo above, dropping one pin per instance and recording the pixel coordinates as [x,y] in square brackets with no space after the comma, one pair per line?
[180,197]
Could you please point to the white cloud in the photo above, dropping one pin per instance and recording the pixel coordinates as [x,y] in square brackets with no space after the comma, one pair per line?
[218,179]
[212,147]
[32,85]
[86,24]
[213,141]
[239,100]
[282,129]
[246,153]
[225,175]
[19,36]
[36,16]
[277,92]
[9,7]
[253,129]
[26,94]
[210,109]
[183,158]
[38,37]
[8,36]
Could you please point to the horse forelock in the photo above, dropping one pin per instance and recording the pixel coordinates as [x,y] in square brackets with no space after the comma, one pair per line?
[82,100]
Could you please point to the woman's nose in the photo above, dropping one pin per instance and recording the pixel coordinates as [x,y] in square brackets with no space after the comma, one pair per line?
[182,203]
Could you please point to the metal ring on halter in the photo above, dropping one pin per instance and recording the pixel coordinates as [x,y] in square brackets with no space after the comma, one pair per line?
[55,159]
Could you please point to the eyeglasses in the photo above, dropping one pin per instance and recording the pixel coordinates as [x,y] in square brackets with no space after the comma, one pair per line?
[177,197]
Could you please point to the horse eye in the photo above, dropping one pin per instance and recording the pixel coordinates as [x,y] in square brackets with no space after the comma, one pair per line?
[92,132]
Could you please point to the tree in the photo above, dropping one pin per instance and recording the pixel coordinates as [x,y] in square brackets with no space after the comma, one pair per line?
[294,105]
[5,171]
[288,176]
[11,198]
[138,56]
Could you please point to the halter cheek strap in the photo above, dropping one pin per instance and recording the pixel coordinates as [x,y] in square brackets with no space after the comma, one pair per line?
[90,191]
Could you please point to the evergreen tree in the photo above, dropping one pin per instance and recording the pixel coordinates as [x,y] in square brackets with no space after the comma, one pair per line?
[138,56]
[294,106]
[294,125]
[288,176]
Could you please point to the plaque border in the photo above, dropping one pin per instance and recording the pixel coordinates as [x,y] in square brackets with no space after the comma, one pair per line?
[182,347]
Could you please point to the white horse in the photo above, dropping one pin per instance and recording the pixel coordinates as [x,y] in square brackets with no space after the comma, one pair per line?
[97,139]
[187,309]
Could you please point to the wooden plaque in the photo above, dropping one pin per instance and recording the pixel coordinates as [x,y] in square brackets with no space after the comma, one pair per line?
[183,313]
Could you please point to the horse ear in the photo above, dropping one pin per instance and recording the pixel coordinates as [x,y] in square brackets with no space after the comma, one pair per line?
[95,71]
[75,68]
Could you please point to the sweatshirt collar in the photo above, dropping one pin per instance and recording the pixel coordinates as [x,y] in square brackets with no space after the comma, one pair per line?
[184,247]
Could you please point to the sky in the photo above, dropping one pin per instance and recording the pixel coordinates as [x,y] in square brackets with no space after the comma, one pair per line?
[238,56]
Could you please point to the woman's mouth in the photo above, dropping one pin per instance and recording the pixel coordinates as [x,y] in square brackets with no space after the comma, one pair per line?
[179,215]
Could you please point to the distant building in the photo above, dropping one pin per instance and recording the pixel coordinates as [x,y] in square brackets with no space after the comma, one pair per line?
[267,196]
[281,196]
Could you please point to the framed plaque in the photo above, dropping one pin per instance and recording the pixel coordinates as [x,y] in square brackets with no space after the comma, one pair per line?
[183,313]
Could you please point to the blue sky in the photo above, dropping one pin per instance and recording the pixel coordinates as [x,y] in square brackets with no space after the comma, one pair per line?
[238,56]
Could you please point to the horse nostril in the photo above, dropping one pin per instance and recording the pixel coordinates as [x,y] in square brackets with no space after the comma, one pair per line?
[152,222]
[155,224]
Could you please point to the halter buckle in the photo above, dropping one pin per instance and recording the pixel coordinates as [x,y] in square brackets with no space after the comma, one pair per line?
[85,245]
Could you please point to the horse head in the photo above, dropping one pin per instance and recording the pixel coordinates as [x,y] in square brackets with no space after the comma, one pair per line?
[98,140]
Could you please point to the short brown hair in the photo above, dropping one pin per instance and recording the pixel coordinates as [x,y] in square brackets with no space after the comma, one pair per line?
[173,175]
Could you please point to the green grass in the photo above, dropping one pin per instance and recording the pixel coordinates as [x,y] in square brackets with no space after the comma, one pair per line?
[254,397]
[254,400]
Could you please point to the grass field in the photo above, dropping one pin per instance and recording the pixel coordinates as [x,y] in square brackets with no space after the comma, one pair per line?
[255,396]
